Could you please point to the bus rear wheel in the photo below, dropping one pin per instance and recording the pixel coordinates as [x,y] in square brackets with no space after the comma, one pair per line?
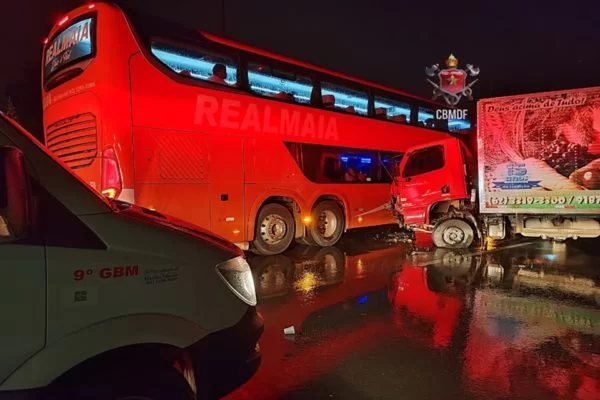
[274,231]
[328,226]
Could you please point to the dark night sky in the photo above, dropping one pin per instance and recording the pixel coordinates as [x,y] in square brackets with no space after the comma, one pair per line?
[520,47]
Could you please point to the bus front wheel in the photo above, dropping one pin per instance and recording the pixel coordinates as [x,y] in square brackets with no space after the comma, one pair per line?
[274,230]
[328,225]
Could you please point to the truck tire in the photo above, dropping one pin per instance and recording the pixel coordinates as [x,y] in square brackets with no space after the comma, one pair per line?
[274,231]
[329,224]
[140,383]
[453,234]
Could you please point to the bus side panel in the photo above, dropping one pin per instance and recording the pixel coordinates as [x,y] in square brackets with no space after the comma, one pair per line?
[279,169]
[227,193]
[172,173]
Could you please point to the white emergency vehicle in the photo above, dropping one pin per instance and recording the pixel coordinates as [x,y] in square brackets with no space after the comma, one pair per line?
[101,299]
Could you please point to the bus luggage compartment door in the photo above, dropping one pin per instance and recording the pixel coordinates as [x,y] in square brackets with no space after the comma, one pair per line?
[227,187]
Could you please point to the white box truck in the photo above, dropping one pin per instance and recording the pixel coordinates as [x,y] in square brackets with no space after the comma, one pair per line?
[539,164]
[538,173]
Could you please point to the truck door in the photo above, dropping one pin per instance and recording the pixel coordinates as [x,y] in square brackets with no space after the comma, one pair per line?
[429,174]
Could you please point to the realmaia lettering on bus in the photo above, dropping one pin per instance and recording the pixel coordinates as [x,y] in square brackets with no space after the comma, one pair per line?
[232,114]
[71,39]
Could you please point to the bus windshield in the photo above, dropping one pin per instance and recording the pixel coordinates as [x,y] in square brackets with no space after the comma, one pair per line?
[74,44]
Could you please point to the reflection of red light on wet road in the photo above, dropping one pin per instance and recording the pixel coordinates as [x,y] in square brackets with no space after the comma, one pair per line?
[316,355]
[288,364]
[279,376]
[441,309]
[507,359]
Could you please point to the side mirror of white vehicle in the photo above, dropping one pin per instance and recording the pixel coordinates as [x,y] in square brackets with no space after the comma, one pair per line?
[15,195]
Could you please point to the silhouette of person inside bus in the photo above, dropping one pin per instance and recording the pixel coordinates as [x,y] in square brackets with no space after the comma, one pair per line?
[362,177]
[219,74]
[350,175]
[328,101]
[399,118]
[429,123]
[380,113]
[285,96]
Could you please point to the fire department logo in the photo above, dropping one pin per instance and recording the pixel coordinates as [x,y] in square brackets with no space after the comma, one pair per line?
[452,80]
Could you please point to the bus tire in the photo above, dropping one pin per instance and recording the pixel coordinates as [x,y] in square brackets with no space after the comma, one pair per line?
[274,231]
[329,224]
[453,234]
[305,241]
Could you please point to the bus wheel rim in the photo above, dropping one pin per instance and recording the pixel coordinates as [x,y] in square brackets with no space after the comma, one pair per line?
[453,235]
[327,224]
[273,229]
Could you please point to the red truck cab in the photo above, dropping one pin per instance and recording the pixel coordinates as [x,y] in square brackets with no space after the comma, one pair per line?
[434,191]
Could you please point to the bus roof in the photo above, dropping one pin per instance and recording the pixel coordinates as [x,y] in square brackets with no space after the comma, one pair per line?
[130,12]
[289,60]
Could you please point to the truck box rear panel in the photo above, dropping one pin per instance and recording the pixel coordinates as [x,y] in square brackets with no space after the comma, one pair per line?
[540,153]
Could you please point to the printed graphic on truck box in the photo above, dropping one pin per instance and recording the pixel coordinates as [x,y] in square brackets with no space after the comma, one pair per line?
[541,151]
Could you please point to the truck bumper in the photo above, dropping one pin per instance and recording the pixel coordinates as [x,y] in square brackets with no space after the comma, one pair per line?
[226,359]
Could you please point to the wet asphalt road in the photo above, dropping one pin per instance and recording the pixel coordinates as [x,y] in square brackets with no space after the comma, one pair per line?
[375,319]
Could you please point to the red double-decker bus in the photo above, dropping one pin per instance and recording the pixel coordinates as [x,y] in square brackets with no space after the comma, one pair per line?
[259,148]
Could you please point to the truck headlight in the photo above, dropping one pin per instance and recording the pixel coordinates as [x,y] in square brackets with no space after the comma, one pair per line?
[237,276]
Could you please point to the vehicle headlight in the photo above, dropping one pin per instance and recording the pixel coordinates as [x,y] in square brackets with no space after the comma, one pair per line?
[237,276]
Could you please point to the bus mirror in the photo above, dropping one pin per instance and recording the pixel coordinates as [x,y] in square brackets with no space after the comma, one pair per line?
[15,194]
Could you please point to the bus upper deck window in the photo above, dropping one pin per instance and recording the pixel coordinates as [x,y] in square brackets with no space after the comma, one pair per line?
[426,118]
[458,125]
[345,97]
[279,84]
[396,111]
[197,63]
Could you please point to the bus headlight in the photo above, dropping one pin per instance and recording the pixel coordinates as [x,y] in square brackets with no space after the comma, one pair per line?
[237,276]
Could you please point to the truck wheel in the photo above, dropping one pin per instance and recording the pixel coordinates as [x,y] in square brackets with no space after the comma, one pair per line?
[453,234]
[122,384]
[328,226]
[274,230]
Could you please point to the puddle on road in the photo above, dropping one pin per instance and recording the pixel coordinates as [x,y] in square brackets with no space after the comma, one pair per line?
[521,322]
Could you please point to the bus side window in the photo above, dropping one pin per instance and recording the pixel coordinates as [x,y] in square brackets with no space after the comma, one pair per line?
[396,111]
[426,117]
[328,164]
[331,168]
[459,125]
[279,84]
[344,98]
[197,63]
